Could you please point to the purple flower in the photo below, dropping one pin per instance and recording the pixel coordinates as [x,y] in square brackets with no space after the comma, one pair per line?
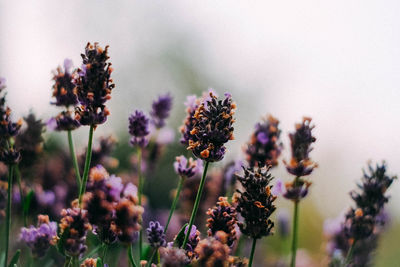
[64,89]
[139,129]
[39,238]
[194,238]
[114,187]
[2,83]
[63,122]
[187,168]
[161,109]
[211,128]
[130,191]
[156,235]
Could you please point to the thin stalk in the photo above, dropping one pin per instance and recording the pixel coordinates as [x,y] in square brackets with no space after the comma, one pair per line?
[178,191]
[152,257]
[140,189]
[21,194]
[8,212]
[295,230]
[74,159]
[196,204]
[103,256]
[349,256]
[253,249]
[130,257]
[158,257]
[87,165]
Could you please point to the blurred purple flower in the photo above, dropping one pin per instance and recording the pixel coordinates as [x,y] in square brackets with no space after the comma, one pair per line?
[161,109]
[187,168]
[139,129]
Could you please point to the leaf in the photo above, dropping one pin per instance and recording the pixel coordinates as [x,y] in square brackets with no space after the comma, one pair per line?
[99,262]
[178,242]
[15,258]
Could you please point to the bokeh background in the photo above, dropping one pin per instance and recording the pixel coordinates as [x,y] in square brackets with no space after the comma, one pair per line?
[337,61]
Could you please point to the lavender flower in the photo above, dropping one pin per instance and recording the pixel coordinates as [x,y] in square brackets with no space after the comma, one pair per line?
[212,128]
[187,168]
[73,228]
[255,203]
[94,84]
[64,89]
[156,235]
[160,110]
[264,147]
[139,129]
[212,252]
[173,257]
[222,218]
[63,122]
[192,103]
[128,216]
[301,140]
[194,238]
[39,238]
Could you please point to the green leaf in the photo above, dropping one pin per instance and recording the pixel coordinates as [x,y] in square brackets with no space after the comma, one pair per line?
[61,242]
[91,253]
[99,262]
[178,242]
[15,258]
[27,201]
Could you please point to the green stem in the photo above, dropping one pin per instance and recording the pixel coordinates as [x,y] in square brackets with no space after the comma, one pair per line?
[295,230]
[196,204]
[152,257]
[158,257]
[18,175]
[87,165]
[8,212]
[74,159]
[140,189]
[178,191]
[103,256]
[253,249]
[130,256]
[349,256]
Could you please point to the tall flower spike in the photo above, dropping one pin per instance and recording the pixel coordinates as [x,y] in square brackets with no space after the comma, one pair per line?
[301,140]
[139,129]
[94,84]
[39,238]
[73,227]
[213,120]
[256,203]
[156,235]
[222,218]
[160,110]
[64,89]
[264,146]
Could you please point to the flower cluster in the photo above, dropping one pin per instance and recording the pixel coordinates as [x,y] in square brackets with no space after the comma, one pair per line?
[212,252]
[173,257]
[212,128]
[8,130]
[39,238]
[156,235]
[160,110]
[93,86]
[300,142]
[192,103]
[222,218]
[264,147]
[256,203]
[139,129]
[187,168]
[73,230]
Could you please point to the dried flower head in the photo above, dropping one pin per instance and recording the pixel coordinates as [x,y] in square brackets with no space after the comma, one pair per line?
[212,128]
[160,110]
[73,230]
[187,168]
[212,252]
[63,122]
[222,218]
[64,89]
[264,146]
[39,238]
[301,140]
[94,84]
[139,129]
[127,219]
[255,203]
[173,257]
[156,235]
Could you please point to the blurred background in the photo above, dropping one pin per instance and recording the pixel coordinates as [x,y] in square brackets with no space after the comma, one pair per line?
[337,62]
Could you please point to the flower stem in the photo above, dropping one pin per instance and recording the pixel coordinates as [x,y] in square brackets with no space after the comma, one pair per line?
[74,159]
[21,194]
[295,230]
[87,165]
[178,191]
[196,204]
[349,256]
[152,257]
[253,249]
[8,212]
[130,257]
[140,189]
[103,256]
